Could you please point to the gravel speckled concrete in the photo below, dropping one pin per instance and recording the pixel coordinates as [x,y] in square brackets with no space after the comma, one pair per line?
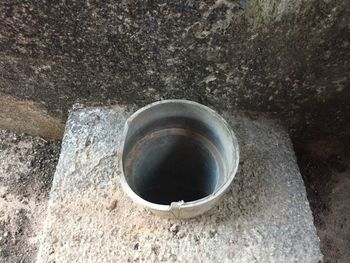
[288,57]
[27,166]
[264,217]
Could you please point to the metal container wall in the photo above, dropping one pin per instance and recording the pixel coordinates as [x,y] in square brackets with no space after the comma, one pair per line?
[178,158]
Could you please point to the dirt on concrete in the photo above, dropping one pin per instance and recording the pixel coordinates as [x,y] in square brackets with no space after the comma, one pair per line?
[325,166]
[27,165]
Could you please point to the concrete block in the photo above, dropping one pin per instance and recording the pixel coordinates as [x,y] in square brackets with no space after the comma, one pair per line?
[264,217]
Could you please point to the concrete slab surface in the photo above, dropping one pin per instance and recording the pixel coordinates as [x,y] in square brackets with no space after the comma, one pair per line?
[264,217]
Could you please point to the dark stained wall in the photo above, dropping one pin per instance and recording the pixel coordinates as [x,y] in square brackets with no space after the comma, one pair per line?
[288,58]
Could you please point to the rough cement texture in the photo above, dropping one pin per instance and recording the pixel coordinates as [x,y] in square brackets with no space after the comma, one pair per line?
[28,117]
[264,217]
[287,57]
[325,167]
[27,165]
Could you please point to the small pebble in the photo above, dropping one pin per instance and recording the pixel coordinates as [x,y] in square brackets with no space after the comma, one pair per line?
[174,229]
[112,205]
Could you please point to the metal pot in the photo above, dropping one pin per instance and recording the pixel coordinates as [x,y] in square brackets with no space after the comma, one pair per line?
[178,158]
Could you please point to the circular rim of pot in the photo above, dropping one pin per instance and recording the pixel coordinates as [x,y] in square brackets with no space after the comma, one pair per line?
[176,205]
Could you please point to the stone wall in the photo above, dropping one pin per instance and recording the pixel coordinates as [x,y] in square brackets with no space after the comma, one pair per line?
[289,58]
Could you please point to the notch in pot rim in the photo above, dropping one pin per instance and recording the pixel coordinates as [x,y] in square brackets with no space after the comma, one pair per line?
[165,208]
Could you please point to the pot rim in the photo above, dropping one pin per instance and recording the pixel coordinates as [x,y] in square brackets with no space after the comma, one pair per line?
[180,204]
